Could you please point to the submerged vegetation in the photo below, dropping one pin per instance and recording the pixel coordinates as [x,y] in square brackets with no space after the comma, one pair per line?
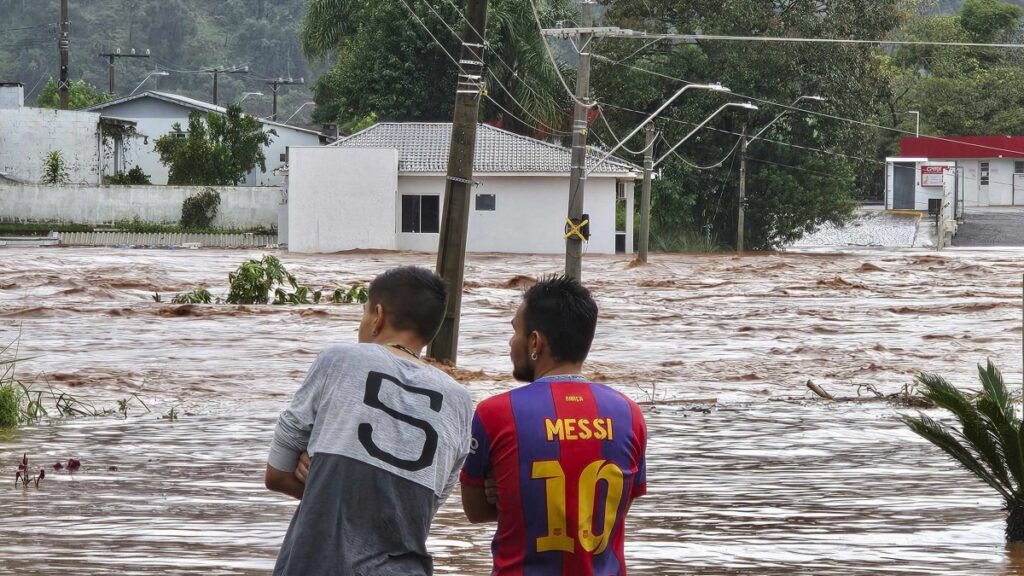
[990,441]
[266,281]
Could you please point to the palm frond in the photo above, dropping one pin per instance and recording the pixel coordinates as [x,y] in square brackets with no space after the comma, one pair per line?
[1009,442]
[938,435]
[981,437]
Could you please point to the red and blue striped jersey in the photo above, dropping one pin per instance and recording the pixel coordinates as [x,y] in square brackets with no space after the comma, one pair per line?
[568,458]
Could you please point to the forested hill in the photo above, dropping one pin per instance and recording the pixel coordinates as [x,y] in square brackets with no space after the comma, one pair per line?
[183,36]
[953,6]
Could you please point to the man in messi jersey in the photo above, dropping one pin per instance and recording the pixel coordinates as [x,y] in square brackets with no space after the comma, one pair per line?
[386,433]
[566,454]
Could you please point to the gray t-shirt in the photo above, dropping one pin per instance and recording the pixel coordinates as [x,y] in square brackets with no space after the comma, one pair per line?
[387,437]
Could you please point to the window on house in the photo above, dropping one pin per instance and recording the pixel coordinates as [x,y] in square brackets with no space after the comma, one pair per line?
[1018,167]
[984,174]
[486,202]
[421,214]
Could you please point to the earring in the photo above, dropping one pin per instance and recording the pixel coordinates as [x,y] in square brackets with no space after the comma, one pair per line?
[534,355]
[374,333]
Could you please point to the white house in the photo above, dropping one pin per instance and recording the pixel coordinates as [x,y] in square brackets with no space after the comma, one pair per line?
[92,146]
[383,188]
[155,114]
[988,170]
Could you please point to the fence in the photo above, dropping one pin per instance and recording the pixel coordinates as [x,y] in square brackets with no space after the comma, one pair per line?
[165,240]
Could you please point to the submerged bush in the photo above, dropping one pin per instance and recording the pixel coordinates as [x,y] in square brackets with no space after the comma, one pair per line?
[199,210]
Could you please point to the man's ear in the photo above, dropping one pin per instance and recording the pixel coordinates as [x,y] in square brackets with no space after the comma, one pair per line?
[378,318]
[538,342]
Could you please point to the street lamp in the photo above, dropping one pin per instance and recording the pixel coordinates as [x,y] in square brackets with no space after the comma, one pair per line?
[744,142]
[716,87]
[917,123]
[157,73]
[649,164]
[247,94]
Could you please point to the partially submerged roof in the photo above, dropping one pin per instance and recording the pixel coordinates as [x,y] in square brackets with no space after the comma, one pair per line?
[423,148]
[191,103]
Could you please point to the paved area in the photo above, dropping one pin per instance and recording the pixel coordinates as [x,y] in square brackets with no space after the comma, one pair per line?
[1002,226]
[870,228]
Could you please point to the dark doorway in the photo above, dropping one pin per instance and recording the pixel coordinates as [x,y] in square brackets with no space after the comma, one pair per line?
[904,183]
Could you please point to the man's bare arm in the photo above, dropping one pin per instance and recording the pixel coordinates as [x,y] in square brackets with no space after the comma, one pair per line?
[283,482]
[474,503]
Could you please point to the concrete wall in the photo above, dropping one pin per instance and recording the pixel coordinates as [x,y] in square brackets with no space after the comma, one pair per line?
[341,199]
[529,215]
[28,135]
[157,117]
[240,207]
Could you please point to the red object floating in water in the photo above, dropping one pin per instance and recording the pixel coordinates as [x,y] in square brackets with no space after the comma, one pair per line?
[42,474]
[73,464]
[58,466]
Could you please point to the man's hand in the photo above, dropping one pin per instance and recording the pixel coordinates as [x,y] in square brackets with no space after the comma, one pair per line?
[302,469]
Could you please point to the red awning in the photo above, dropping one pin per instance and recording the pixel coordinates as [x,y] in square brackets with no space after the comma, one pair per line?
[954,147]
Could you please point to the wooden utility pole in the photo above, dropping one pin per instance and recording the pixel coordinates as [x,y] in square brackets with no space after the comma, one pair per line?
[645,192]
[451,247]
[111,56]
[741,214]
[218,71]
[578,164]
[274,84]
[64,46]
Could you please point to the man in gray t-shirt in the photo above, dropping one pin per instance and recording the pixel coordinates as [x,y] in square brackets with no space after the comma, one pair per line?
[387,435]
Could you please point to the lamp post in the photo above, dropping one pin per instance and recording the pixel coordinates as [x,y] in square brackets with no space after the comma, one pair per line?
[917,122]
[157,73]
[650,164]
[713,87]
[247,94]
[744,142]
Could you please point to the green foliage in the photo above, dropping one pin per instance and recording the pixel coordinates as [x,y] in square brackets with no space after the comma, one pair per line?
[386,64]
[136,224]
[200,209]
[254,280]
[356,294]
[989,20]
[133,176]
[10,404]
[81,94]
[196,296]
[40,228]
[217,149]
[55,169]
[990,442]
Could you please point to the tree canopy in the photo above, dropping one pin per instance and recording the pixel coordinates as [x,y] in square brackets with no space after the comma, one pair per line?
[81,94]
[217,149]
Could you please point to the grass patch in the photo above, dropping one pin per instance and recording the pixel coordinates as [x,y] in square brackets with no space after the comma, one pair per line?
[39,228]
[687,241]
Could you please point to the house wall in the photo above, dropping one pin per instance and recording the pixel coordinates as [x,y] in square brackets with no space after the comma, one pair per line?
[341,199]
[156,118]
[28,135]
[529,215]
[240,207]
[999,191]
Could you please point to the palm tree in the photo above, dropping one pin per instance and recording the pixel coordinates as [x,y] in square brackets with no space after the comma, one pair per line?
[990,442]
[519,76]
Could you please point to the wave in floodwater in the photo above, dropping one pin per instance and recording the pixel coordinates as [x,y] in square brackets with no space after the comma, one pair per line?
[762,480]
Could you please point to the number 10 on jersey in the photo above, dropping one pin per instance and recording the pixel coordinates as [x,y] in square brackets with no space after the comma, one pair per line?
[557,537]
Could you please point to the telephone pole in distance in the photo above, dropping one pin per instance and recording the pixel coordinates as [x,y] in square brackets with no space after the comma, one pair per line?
[111,56]
[274,84]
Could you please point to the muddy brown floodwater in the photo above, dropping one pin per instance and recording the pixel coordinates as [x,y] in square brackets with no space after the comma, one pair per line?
[768,480]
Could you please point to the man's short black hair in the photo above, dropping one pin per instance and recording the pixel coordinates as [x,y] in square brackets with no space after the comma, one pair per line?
[414,298]
[562,310]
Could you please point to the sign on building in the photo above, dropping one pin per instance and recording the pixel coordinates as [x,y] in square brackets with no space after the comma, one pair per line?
[931,176]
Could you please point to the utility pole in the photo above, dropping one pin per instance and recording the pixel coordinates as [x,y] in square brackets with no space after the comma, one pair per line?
[743,191]
[111,56]
[451,247]
[578,164]
[218,71]
[645,192]
[274,85]
[64,46]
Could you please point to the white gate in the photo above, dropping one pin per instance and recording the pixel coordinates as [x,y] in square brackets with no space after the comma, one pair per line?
[1018,190]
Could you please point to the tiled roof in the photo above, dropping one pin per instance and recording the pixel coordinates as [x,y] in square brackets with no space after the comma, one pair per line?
[189,103]
[423,147]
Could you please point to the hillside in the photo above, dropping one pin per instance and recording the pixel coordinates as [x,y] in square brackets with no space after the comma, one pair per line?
[184,37]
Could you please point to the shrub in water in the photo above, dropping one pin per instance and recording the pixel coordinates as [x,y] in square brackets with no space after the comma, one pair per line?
[199,210]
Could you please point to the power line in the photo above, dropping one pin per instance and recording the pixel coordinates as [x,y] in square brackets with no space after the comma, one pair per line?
[789,39]
[551,58]
[814,112]
[701,168]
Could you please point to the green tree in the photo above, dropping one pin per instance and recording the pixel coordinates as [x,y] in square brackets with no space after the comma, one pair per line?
[789,189]
[990,441]
[81,94]
[386,64]
[55,169]
[218,149]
